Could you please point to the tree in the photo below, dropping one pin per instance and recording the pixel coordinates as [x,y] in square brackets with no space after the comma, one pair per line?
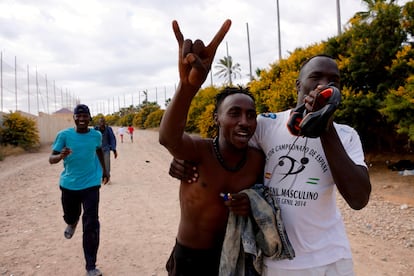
[399,108]
[228,70]
[374,61]
[408,18]
[368,47]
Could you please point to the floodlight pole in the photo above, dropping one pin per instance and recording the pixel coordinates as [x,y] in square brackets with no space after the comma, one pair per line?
[338,16]
[278,30]
[250,56]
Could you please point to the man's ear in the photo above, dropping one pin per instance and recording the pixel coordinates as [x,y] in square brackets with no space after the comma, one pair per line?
[297,86]
[215,118]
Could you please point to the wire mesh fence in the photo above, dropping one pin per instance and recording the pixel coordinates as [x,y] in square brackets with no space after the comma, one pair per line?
[25,89]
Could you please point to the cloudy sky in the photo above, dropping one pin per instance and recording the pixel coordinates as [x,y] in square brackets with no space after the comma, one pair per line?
[106,52]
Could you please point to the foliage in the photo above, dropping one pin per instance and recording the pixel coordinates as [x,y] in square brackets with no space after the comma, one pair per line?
[112,119]
[141,116]
[203,98]
[21,131]
[367,48]
[154,119]
[399,108]
[95,119]
[360,111]
[402,66]
[128,110]
[126,120]
[276,89]
[408,18]
[374,59]
[206,124]
[228,70]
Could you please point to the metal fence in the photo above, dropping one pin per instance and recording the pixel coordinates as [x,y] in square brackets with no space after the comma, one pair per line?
[155,94]
[25,89]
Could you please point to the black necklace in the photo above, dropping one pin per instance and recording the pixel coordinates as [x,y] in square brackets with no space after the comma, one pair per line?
[221,160]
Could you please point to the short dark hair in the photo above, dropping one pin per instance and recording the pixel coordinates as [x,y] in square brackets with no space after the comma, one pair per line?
[312,57]
[227,91]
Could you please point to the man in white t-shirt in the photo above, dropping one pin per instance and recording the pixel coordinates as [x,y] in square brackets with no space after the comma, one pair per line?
[303,175]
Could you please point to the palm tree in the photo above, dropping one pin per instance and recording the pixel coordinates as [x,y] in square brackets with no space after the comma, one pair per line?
[365,16]
[228,70]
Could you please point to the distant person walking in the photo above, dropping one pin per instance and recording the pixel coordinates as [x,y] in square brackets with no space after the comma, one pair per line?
[84,170]
[121,132]
[108,143]
[131,132]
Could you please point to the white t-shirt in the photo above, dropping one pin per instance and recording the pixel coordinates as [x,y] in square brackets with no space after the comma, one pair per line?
[121,131]
[300,181]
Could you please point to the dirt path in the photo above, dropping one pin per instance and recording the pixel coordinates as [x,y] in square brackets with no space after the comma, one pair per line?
[139,216]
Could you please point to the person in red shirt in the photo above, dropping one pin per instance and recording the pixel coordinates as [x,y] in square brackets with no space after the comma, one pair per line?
[131,132]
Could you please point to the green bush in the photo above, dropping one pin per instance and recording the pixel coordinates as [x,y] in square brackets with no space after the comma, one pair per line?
[126,120]
[198,106]
[206,124]
[141,117]
[18,130]
[154,119]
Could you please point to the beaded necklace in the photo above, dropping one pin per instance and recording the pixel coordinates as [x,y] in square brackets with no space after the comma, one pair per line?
[221,159]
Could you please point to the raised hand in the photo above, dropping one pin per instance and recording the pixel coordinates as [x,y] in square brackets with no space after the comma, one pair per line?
[194,58]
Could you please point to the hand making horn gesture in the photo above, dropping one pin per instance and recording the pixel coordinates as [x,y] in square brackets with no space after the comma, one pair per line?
[194,58]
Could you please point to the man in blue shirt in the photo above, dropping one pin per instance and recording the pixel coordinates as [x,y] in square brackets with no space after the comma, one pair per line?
[108,143]
[84,170]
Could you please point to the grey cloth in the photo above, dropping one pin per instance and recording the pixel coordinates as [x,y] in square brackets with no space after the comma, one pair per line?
[261,234]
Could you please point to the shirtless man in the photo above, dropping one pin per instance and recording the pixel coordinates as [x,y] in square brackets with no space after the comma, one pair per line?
[222,161]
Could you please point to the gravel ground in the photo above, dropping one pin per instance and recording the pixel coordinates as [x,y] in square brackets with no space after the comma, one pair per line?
[382,220]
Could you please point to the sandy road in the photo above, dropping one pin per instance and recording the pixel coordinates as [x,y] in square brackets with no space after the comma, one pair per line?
[139,216]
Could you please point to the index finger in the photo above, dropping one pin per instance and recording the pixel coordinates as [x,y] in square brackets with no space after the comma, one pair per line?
[218,38]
